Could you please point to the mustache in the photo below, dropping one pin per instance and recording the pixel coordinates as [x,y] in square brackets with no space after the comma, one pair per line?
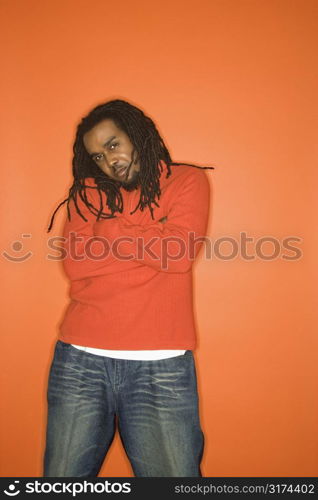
[118,167]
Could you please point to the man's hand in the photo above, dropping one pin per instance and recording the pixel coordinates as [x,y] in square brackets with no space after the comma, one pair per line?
[163,219]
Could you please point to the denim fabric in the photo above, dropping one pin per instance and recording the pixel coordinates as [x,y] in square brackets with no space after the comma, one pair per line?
[156,403]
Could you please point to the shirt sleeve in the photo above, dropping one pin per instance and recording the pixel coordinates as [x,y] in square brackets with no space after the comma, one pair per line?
[85,254]
[171,246]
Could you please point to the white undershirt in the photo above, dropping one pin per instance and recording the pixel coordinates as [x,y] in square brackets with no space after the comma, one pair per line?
[138,355]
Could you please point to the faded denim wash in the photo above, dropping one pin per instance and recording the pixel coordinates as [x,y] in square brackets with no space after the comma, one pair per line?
[156,403]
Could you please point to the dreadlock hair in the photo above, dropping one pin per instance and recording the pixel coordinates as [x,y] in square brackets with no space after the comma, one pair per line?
[150,149]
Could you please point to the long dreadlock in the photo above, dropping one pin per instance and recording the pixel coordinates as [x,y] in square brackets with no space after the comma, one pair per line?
[150,149]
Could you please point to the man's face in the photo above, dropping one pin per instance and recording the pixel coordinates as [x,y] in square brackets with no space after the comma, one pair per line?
[111,149]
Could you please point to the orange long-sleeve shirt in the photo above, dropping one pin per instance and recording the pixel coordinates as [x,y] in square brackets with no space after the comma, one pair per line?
[131,276]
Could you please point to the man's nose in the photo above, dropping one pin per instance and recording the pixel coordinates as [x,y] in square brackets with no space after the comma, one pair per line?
[111,160]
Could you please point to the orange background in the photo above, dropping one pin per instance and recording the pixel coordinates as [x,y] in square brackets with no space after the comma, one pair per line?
[229,83]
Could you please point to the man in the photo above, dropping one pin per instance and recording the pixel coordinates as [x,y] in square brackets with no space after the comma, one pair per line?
[126,339]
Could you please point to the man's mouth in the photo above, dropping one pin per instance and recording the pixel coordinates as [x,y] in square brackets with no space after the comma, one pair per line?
[121,172]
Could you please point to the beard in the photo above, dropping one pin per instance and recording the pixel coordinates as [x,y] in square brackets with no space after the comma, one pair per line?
[134,183]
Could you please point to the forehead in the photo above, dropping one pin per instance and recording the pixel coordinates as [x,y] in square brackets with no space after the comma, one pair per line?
[101,133]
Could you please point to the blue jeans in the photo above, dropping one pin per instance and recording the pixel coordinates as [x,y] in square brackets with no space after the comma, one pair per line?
[156,403]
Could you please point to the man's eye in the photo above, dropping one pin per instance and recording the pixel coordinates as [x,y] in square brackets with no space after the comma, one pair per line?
[98,157]
[113,145]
